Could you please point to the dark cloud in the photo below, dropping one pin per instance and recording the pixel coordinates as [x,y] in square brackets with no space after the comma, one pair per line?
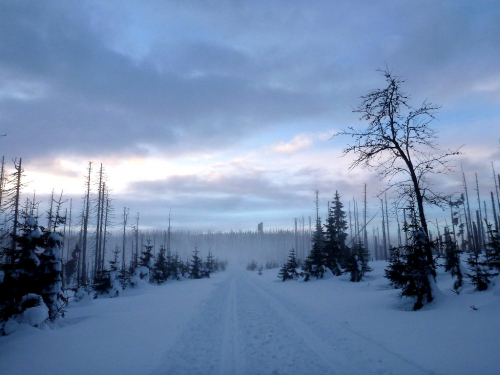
[230,69]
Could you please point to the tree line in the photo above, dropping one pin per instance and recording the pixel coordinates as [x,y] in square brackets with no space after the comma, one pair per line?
[35,279]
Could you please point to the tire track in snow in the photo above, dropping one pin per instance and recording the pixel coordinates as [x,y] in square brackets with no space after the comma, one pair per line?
[271,341]
[199,351]
[324,353]
[231,357]
[244,328]
[303,326]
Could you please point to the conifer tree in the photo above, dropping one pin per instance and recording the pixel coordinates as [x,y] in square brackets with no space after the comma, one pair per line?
[171,271]
[30,242]
[357,264]
[107,280]
[493,248]
[478,274]
[21,277]
[210,265]
[102,282]
[289,269]
[146,260]
[114,274]
[452,258]
[315,263]
[160,269]
[395,270]
[51,270]
[195,265]
[335,249]
[177,267]
[483,268]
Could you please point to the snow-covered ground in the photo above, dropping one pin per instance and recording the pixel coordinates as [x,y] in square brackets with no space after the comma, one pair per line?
[238,322]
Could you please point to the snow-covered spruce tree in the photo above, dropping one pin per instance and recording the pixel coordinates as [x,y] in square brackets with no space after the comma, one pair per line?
[195,265]
[107,280]
[335,249]
[21,277]
[395,270]
[184,268]
[357,264]
[160,268]
[289,269]
[114,274]
[210,264]
[174,266]
[51,273]
[315,264]
[146,261]
[493,248]
[126,272]
[479,273]
[452,260]
[101,283]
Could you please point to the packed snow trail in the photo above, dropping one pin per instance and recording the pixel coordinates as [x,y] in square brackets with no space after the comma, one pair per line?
[238,322]
[243,328]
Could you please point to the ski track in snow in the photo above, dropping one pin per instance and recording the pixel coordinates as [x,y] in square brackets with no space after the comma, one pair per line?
[244,328]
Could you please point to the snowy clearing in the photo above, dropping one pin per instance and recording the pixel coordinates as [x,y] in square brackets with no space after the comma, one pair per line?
[238,322]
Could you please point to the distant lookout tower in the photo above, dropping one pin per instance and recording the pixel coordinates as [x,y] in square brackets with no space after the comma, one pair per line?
[260,228]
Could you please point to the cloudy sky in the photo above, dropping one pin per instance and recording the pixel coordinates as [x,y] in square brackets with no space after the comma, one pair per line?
[223,111]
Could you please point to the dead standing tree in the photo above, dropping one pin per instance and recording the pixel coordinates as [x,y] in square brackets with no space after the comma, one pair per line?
[398,141]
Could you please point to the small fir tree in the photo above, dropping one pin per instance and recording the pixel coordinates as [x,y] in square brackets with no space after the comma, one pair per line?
[195,266]
[315,264]
[357,264]
[395,270]
[452,260]
[492,249]
[102,282]
[176,268]
[21,277]
[210,265]
[160,269]
[114,274]
[479,273]
[289,269]
[146,261]
[51,275]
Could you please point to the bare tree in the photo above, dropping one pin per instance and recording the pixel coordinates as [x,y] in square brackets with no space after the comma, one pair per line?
[85,226]
[124,238]
[399,141]
[13,204]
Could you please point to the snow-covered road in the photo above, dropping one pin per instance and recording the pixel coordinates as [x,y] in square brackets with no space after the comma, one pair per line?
[238,322]
[246,328]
